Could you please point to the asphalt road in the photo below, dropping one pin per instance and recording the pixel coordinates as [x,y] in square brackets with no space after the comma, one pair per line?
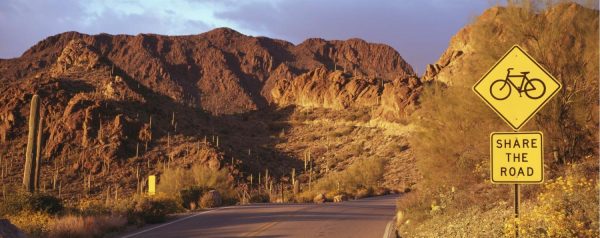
[360,218]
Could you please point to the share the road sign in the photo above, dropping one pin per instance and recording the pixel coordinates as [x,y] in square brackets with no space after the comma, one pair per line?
[516,87]
[517,157]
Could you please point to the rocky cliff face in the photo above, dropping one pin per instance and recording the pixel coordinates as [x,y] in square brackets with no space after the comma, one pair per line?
[464,55]
[146,99]
[221,71]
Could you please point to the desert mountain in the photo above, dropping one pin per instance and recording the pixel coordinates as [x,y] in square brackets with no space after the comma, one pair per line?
[113,104]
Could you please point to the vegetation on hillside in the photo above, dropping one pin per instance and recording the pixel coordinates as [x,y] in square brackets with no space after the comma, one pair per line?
[361,179]
[189,185]
[43,215]
[452,140]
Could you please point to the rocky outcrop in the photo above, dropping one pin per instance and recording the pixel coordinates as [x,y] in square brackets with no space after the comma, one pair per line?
[226,72]
[76,55]
[340,198]
[432,70]
[464,52]
[319,198]
[7,121]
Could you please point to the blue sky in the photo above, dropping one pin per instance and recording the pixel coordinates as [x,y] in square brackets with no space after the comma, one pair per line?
[418,29]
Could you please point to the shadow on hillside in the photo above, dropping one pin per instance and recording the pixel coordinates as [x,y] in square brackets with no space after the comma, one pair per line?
[249,137]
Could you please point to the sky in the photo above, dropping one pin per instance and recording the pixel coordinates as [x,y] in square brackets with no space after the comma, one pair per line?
[418,29]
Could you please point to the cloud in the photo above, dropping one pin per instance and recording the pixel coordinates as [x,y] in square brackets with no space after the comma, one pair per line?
[23,23]
[418,29]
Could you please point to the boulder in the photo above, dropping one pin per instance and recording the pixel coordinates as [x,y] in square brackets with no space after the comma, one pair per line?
[320,198]
[340,198]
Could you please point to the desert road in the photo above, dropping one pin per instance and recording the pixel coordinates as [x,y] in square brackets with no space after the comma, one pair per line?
[369,217]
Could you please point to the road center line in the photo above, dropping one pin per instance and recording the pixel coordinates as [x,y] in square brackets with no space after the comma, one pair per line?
[268,225]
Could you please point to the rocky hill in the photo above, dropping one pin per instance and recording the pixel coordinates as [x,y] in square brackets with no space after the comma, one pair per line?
[464,50]
[116,106]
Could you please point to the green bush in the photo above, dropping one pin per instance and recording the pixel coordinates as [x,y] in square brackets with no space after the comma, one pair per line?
[45,203]
[148,209]
[211,199]
[259,198]
[189,196]
[155,209]
[90,207]
[200,177]
[33,224]
[359,180]
[37,202]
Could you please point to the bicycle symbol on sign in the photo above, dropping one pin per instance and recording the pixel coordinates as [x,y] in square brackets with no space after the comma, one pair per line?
[533,88]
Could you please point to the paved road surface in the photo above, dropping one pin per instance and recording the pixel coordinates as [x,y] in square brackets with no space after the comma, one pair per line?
[361,218]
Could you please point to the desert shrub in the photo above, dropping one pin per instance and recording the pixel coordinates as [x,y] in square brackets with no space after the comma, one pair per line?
[357,114]
[88,207]
[148,209]
[190,196]
[568,207]
[86,226]
[451,142]
[363,193]
[174,180]
[33,223]
[341,131]
[36,202]
[259,198]
[454,125]
[410,207]
[359,179]
[356,149]
[155,209]
[305,197]
[211,199]
[447,118]
[306,114]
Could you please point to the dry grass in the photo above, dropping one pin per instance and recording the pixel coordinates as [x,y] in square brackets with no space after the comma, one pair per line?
[39,224]
[89,226]
[34,224]
[410,207]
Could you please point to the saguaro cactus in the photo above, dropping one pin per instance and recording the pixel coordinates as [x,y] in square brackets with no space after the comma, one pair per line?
[30,156]
[293,176]
[38,154]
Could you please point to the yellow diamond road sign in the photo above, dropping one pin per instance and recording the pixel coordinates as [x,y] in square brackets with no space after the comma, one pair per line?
[516,87]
